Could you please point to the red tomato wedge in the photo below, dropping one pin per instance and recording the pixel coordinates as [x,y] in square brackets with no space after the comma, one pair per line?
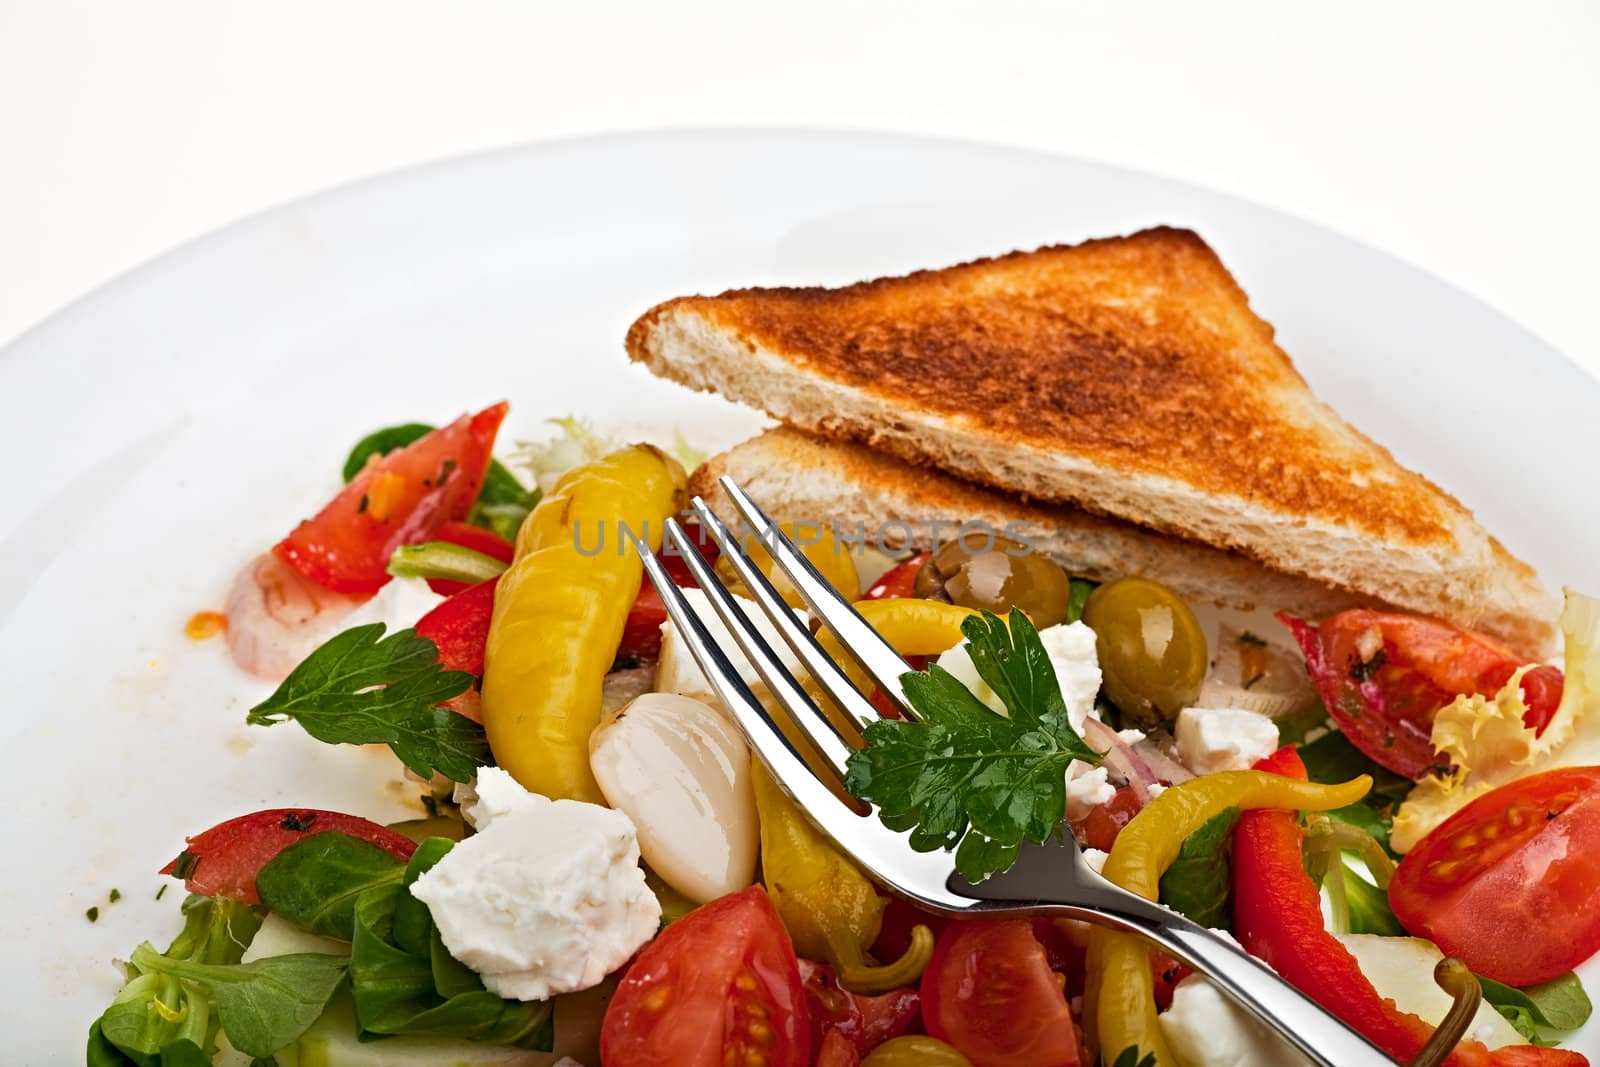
[224,861]
[401,499]
[1384,676]
[989,991]
[721,985]
[476,538]
[898,582]
[1105,821]
[1508,884]
[863,1022]
[459,625]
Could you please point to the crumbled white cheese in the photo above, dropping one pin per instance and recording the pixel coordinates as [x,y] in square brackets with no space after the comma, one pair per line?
[1206,1029]
[676,670]
[1224,739]
[1096,859]
[1088,787]
[1071,648]
[547,897]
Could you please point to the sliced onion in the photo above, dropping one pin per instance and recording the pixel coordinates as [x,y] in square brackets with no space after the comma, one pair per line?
[1121,757]
[1281,688]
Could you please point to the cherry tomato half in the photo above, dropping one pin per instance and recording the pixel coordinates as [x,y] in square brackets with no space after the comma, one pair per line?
[401,499]
[1384,676]
[989,992]
[721,985]
[1508,883]
[224,860]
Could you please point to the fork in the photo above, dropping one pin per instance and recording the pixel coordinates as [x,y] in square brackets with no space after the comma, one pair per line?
[1049,880]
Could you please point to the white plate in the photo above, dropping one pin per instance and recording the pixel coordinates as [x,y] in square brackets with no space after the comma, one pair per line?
[167,426]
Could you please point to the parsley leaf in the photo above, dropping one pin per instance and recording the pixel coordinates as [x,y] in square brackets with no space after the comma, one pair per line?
[362,688]
[1129,1057]
[964,777]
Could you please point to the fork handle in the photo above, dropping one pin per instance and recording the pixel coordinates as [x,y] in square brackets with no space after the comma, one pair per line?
[1319,1034]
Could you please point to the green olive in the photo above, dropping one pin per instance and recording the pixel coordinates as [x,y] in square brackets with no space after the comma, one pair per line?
[994,574]
[1152,650]
[915,1050]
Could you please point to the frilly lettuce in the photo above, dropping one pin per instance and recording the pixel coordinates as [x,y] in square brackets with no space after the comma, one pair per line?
[577,444]
[1487,744]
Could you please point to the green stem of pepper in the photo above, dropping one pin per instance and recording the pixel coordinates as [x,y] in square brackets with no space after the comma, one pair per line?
[441,559]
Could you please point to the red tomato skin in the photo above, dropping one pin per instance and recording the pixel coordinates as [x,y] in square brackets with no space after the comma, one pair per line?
[346,546]
[989,992]
[476,538]
[898,582]
[1386,704]
[692,997]
[1105,821]
[228,856]
[459,625]
[1508,883]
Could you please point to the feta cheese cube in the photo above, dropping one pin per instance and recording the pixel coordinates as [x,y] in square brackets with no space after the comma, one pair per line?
[1224,739]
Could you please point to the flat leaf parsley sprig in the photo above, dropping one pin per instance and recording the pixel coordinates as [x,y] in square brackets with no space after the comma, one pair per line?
[964,776]
[362,688]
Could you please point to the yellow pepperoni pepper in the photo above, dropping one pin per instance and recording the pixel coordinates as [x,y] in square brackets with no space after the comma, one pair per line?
[559,612]
[1121,995]
[831,910]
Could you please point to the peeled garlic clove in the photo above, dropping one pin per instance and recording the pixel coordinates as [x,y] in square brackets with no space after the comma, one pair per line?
[681,772]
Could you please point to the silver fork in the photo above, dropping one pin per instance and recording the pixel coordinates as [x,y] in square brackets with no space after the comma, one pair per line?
[1051,880]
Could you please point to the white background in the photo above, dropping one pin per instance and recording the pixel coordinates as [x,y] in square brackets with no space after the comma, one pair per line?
[1459,135]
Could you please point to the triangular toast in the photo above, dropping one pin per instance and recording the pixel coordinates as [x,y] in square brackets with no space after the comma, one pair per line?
[1126,376]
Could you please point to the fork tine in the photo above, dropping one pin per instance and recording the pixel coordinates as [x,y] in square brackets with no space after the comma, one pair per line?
[798,637]
[830,747]
[875,655]
[883,853]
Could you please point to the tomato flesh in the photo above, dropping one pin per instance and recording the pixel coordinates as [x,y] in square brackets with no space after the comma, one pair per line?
[1105,821]
[1508,883]
[862,1022]
[989,992]
[224,860]
[476,538]
[403,498]
[721,985]
[1383,677]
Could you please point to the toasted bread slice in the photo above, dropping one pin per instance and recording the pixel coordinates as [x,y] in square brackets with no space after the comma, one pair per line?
[1127,376]
[871,496]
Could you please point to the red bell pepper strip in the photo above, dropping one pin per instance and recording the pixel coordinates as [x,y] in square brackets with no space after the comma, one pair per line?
[459,625]
[1278,918]
[224,860]
[641,633]
[400,499]
[476,538]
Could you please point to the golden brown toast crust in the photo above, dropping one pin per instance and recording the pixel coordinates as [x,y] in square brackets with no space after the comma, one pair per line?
[1139,353]
[1127,376]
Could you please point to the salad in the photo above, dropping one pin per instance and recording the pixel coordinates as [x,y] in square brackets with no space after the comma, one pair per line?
[1396,814]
